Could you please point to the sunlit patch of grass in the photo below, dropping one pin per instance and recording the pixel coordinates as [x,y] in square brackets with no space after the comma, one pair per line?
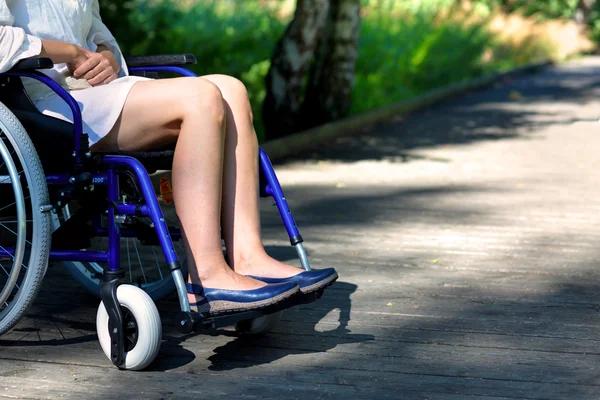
[531,40]
[407,48]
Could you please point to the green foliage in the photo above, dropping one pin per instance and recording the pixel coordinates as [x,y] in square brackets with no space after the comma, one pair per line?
[397,61]
[403,50]
[234,38]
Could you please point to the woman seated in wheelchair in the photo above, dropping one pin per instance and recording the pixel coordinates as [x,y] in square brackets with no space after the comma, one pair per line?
[215,168]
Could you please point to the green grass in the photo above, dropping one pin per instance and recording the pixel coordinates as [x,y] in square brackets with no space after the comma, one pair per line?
[402,51]
[400,60]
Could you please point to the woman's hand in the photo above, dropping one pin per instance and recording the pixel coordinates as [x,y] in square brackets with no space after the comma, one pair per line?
[98,68]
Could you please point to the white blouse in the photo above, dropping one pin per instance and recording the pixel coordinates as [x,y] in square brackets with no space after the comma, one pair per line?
[24,22]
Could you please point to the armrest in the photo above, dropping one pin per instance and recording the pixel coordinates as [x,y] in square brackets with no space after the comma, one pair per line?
[78,136]
[164,60]
[30,64]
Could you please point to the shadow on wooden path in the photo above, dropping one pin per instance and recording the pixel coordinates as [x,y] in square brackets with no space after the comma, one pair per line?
[466,241]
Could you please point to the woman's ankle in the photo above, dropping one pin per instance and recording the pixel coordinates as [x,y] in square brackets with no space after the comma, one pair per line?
[260,264]
[242,261]
[230,281]
[207,266]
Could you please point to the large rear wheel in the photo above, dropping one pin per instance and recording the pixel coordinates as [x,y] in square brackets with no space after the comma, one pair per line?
[24,221]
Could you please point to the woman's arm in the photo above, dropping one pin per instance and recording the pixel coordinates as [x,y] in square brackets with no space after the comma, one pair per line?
[61,52]
[101,37]
[96,67]
[15,44]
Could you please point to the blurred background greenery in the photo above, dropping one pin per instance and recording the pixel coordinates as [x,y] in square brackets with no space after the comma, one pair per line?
[406,47]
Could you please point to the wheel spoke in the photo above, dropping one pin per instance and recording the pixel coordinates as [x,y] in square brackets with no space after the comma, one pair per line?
[172,220]
[12,204]
[140,261]
[157,263]
[141,275]
[7,252]
[4,163]
[5,271]
[13,232]
[11,256]
[7,274]
[129,260]
[8,177]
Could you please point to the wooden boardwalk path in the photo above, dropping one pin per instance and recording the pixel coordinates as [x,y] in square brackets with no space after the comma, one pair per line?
[466,237]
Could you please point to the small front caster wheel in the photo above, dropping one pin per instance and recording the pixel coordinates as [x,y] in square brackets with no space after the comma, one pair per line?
[260,325]
[143,330]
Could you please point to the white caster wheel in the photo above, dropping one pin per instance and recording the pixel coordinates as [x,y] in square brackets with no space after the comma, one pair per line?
[258,326]
[143,330]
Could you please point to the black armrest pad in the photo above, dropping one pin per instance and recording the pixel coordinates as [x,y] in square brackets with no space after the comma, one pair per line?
[165,60]
[29,64]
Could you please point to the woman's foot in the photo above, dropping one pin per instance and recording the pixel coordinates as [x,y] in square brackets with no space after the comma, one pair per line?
[222,277]
[266,269]
[236,293]
[308,281]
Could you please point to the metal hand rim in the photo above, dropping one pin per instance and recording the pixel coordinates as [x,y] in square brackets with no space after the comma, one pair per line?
[21,225]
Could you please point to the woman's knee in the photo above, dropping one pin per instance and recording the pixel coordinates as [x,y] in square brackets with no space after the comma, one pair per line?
[229,85]
[202,98]
[233,91]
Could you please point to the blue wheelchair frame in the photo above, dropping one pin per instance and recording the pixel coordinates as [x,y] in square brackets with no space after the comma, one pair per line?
[108,177]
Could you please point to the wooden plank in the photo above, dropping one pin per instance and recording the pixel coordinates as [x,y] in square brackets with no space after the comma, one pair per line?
[282,354]
[268,382]
[36,380]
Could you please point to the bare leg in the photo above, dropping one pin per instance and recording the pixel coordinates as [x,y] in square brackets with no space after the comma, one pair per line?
[240,218]
[192,115]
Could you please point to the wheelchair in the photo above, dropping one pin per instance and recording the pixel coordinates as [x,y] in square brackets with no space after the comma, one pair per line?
[100,216]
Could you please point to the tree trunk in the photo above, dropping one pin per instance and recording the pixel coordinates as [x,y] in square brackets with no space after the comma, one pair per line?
[290,63]
[582,13]
[328,94]
[506,6]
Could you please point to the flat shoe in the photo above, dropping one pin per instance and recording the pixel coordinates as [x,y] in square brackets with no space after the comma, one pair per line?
[309,281]
[222,301]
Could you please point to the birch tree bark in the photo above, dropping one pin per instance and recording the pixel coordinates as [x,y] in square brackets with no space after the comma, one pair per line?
[291,61]
[312,68]
[582,13]
[329,90]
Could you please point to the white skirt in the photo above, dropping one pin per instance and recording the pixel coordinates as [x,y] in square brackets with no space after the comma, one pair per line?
[100,106]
